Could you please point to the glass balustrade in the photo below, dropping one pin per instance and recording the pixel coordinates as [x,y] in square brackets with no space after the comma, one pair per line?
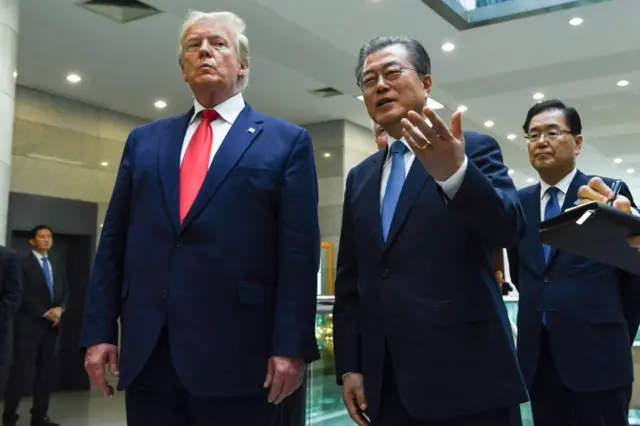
[465,14]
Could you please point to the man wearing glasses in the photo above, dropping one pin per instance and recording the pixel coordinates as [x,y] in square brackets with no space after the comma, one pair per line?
[574,319]
[421,334]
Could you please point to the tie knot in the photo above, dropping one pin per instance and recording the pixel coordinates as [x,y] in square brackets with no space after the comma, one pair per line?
[552,191]
[398,148]
[210,115]
[45,259]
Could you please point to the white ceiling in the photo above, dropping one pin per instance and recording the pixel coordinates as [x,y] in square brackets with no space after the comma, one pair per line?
[301,45]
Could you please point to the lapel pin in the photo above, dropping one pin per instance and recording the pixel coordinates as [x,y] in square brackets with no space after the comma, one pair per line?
[251,130]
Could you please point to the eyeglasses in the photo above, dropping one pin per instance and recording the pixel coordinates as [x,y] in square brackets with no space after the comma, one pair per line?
[549,134]
[390,74]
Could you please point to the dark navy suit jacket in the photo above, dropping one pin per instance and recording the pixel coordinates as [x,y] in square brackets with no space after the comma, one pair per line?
[592,308]
[10,296]
[428,295]
[236,283]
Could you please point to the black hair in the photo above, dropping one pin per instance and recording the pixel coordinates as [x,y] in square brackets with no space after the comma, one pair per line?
[34,231]
[571,115]
[418,54]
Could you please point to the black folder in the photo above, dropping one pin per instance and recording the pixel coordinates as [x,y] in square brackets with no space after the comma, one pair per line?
[596,231]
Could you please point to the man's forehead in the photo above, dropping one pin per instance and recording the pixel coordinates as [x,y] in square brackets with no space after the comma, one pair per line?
[554,117]
[395,54]
[208,28]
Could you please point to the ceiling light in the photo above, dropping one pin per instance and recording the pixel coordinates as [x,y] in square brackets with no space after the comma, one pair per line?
[630,170]
[101,225]
[511,136]
[511,171]
[462,108]
[160,104]
[74,78]
[488,123]
[104,164]
[327,154]
[530,180]
[537,96]
[623,83]
[448,47]
[15,74]
[617,160]
[360,98]
[576,21]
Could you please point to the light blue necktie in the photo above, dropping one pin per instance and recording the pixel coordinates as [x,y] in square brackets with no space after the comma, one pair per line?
[551,210]
[394,186]
[47,275]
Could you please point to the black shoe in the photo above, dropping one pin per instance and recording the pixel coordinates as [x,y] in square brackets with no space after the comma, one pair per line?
[42,421]
[10,420]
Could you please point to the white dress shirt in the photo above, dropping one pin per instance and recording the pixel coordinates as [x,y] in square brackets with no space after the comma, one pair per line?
[450,186]
[40,257]
[228,111]
[563,188]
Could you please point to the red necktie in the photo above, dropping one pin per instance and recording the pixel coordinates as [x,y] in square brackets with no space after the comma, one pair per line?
[195,163]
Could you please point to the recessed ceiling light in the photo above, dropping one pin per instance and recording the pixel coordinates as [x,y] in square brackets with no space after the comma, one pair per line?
[537,96]
[160,104]
[576,21]
[623,83]
[462,108]
[327,154]
[511,171]
[104,164]
[101,225]
[489,123]
[15,74]
[617,160]
[511,136]
[74,78]
[630,170]
[360,98]
[530,180]
[448,47]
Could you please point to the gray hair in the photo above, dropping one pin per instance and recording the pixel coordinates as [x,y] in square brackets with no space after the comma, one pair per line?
[227,19]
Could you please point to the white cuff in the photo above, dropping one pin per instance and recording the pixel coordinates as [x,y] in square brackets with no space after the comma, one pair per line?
[453,184]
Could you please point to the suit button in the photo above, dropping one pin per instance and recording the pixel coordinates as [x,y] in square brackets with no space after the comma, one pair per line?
[546,279]
[386,273]
[164,293]
[179,244]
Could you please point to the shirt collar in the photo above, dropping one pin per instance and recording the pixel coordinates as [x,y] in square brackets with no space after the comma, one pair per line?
[563,185]
[228,110]
[38,256]
[401,140]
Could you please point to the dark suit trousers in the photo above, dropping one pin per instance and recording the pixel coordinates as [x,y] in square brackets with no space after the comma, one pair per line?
[157,398]
[553,404]
[33,369]
[392,412]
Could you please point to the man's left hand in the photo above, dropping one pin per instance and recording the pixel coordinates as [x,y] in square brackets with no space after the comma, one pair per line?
[284,377]
[597,190]
[440,150]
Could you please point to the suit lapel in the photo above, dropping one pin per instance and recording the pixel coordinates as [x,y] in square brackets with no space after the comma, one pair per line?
[371,195]
[244,130]
[569,201]
[170,146]
[416,179]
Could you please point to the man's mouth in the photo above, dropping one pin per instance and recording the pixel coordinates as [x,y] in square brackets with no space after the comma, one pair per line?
[383,101]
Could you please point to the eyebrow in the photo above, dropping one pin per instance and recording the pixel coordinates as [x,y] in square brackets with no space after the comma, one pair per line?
[386,65]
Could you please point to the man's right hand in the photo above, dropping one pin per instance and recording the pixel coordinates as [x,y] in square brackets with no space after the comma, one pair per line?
[354,398]
[95,361]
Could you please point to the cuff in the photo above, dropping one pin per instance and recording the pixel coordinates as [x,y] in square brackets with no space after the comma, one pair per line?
[451,186]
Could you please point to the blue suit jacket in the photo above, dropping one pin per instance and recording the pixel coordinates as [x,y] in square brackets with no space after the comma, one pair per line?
[429,295]
[236,283]
[592,309]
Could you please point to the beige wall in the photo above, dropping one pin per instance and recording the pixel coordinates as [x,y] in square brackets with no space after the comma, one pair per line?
[59,145]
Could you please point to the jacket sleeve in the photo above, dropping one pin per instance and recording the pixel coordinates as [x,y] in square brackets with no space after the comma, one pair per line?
[487,198]
[11,287]
[299,256]
[103,302]
[346,327]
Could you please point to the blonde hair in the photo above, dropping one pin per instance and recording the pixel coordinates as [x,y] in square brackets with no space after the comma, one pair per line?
[227,19]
